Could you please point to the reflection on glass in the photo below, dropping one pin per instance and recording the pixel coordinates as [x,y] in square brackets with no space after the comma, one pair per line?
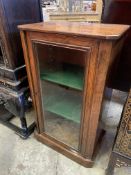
[62,80]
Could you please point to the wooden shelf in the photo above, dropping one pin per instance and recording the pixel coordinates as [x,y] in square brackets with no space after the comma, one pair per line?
[70,78]
[63,102]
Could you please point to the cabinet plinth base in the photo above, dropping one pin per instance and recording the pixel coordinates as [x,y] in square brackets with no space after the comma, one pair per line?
[70,153]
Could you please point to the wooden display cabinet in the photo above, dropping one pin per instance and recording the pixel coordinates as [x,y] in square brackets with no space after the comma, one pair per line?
[68,65]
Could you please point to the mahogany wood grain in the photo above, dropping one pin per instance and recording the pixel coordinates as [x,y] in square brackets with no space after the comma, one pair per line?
[82,29]
[100,75]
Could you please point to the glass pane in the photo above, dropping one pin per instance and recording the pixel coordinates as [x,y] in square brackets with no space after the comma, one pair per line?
[62,79]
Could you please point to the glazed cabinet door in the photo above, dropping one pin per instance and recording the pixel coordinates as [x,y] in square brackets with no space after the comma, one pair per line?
[61,72]
[61,76]
[68,67]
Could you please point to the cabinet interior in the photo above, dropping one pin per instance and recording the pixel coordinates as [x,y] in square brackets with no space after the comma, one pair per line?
[61,72]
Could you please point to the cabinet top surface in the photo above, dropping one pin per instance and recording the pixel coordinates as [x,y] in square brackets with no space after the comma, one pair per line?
[104,31]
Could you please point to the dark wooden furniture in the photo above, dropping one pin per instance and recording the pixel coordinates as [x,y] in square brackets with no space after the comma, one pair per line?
[13,13]
[121,153]
[13,78]
[70,63]
[119,12]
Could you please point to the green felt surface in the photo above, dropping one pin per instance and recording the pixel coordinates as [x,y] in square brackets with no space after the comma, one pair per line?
[70,78]
[63,103]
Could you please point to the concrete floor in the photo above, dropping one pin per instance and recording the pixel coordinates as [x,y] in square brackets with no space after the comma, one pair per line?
[29,157]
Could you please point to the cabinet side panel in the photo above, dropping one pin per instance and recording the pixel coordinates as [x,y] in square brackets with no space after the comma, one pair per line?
[88,95]
[96,81]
